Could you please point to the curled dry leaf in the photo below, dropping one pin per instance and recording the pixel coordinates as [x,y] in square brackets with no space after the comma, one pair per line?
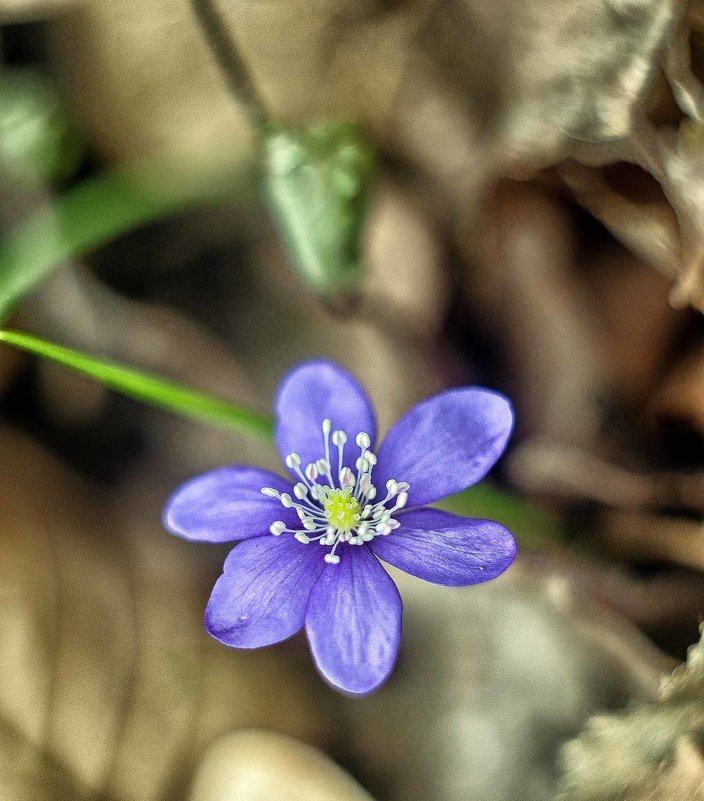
[582,73]
[650,752]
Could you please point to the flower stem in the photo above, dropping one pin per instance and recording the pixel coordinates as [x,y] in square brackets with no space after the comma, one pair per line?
[238,77]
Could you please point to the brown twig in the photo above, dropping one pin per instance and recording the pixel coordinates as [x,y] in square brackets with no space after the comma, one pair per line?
[239,78]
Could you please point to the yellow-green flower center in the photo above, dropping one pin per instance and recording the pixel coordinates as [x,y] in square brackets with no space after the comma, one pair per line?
[341,508]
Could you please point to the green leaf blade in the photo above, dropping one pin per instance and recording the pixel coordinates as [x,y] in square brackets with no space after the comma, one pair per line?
[92,214]
[147,388]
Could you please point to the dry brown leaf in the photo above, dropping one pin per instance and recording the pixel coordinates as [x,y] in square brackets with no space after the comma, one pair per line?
[105,668]
[582,73]
[524,286]
[545,467]
[14,11]
[653,538]
[462,92]
[681,395]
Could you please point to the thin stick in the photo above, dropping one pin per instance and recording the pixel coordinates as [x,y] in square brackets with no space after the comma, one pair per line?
[237,75]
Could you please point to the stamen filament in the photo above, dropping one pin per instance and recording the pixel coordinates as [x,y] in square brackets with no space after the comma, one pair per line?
[343,512]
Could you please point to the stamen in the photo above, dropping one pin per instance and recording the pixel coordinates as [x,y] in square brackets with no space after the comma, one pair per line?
[363,441]
[339,438]
[293,460]
[345,512]
[346,478]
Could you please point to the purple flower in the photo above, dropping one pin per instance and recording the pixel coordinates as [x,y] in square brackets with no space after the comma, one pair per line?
[344,508]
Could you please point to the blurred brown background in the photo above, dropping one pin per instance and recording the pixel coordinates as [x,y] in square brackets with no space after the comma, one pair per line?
[535,226]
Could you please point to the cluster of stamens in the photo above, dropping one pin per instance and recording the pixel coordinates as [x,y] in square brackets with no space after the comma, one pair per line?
[337,506]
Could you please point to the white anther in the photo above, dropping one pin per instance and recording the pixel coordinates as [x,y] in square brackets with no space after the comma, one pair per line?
[346,477]
[393,524]
[339,438]
[371,493]
[367,510]
[362,464]
[309,525]
[403,486]
[301,537]
[392,486]
[368,537]
[402,500]
[311,472]
[332,558]
[270,492]
[363,440]
[293,460]
[323,465]
[370,457]
[384,530]
[327,425]
[286,500]
[300,490]
[302,514]
[278,527]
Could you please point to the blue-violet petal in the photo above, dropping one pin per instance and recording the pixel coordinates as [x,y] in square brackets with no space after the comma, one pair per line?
[226,504]
[447,549]
[261,597]
[353,622]
[315,391]
[445,443]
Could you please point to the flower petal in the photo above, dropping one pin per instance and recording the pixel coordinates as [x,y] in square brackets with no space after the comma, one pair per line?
[353,621]
[261,597]
[447,549]
[226,504]
[315,391]
[446,443]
